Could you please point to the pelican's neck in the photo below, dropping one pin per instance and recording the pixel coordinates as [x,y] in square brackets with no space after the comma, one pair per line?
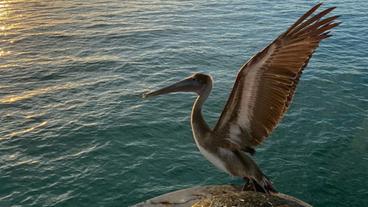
[199,125]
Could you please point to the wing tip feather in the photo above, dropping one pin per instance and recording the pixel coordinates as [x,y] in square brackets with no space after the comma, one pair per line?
[307,20]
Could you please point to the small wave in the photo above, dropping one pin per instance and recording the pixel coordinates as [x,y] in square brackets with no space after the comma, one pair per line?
[23,131]
[52,89]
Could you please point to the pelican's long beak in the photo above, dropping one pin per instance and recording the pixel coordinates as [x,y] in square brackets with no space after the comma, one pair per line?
[186,85]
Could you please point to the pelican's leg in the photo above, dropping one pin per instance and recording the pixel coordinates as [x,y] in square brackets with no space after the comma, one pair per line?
[247,184]
[257,187]
[264,187]
[267,186]
[252,185]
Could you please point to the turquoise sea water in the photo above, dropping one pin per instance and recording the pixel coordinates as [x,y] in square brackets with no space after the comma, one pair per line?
[75,132]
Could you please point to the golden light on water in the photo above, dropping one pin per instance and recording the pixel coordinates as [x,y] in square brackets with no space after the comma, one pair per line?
[29,94]
[24,131]
[4,11]
[3,53]
[17,133]
[51,89]
[4,17]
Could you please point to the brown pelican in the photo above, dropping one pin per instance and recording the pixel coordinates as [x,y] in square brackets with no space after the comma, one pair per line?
[261,94]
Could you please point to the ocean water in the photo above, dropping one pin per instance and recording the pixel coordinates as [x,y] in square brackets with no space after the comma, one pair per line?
[75,131]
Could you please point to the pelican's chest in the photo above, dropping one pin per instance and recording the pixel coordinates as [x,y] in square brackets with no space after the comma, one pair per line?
[214,158]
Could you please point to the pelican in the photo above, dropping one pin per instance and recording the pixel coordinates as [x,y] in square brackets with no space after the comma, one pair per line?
[262,93]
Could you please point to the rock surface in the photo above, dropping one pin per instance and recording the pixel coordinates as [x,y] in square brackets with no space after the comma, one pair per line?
[219,196]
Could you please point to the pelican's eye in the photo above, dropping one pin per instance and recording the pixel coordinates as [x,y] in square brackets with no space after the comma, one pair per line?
[200,81]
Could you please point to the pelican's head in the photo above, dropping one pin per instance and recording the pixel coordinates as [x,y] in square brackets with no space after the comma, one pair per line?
[198,83]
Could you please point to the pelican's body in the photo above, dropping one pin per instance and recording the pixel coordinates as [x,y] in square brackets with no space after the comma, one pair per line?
[261,94]
[213,147]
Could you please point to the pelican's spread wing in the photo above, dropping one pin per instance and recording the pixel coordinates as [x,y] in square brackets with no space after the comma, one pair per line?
[266,84]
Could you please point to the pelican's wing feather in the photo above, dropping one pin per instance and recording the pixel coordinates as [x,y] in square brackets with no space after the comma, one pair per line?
[266,84]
